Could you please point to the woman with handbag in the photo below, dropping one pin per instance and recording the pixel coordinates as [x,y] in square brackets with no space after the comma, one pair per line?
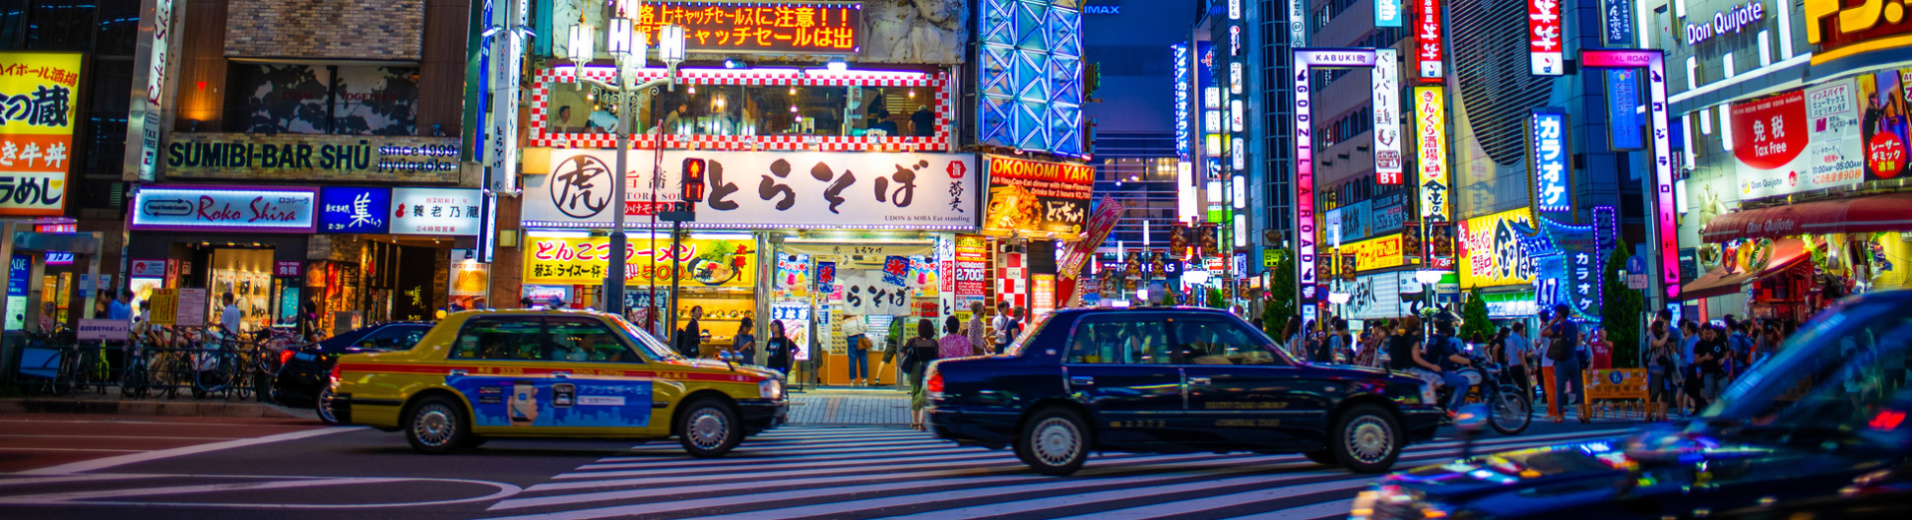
[917,353]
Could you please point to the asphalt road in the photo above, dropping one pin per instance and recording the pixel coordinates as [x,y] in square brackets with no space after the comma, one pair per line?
[111,467]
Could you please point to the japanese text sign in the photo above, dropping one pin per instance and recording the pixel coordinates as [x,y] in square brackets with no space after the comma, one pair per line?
[1376,253]
[1618,16]
[1304,185]
[1666,227]
[355,210]
[287,268]
[1387,116]
[1492,251]
[1430,46]
[311,157]
[1387,13]
[1029,195]
[765,189]
[435,211]
[763,26]
[1799,141]
[1430,113]
[1544,37]
[707,262]
[1548,131]
[243,210]
[36,130]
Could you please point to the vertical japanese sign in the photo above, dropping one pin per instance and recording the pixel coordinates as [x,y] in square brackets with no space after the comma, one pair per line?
[1623,121]
[1618,21]
[507,51]
[1430,114]
[1387,13]
[1544,37]
[1304,216]
[145,113]
[972,266]
[1387,116]
[1665,228]
[36,130]
[1431,47]
[1548,156]
[1183,123]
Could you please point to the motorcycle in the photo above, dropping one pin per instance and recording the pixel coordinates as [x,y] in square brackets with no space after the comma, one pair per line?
[1509,409]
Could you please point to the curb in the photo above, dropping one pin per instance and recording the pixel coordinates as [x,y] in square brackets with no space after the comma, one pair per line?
[150,408]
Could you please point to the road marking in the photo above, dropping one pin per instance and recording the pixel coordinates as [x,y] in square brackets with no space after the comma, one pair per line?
[1338,508]
[78,436]
[135,458]
[93,498]
[12,448]
[72,478]
[1192,506]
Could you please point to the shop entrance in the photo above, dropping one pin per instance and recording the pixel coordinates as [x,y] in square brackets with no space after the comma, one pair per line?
[246,274]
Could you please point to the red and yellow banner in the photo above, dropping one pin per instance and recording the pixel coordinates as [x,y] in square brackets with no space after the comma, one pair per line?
[40,91]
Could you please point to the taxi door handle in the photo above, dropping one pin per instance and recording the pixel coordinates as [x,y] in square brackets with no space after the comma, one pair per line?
[1081,380]
[561,375]
[457,372]
[1198,381]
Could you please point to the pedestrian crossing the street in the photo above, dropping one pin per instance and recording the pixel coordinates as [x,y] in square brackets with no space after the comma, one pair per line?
[868,473]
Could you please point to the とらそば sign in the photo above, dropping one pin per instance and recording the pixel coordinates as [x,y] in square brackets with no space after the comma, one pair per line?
[225,208]
[707,262]
[38,91]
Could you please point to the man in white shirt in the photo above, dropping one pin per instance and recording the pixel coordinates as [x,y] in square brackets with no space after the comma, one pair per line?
[229,317]
[1003,325]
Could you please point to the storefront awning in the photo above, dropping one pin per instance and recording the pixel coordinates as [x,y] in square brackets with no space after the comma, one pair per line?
[1859,215]
[1786,253]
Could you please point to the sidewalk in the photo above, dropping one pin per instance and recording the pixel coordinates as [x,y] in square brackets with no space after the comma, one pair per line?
[850,407]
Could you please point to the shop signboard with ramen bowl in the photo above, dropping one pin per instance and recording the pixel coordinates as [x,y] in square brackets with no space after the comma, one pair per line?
[1037,197]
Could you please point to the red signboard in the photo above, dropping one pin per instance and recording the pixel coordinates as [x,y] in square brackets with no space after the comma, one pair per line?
[1431,48]
[765,26]
[1760,130]
[1543,37]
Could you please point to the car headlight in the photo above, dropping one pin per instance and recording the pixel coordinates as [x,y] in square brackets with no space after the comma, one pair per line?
[1389,502]
[770,389]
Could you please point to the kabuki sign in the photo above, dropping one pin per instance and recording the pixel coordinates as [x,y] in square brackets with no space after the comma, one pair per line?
[1431,48]
[1304,215]
[1665,229]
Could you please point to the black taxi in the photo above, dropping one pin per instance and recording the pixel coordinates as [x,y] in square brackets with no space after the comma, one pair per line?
[1168,380]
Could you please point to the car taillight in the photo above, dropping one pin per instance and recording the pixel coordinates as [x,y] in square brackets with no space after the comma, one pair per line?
[934,385]
[335,373]
[285,356]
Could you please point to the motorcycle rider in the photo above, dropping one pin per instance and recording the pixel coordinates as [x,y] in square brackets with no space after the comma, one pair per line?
[1446,350]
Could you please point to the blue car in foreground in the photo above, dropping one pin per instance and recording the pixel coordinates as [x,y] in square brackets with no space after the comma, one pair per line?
[1172,380]
[1818,430]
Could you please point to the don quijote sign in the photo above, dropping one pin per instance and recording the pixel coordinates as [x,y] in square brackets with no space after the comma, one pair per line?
[312,157]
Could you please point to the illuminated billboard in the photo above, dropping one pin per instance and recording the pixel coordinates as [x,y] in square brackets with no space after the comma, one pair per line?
[1030,75]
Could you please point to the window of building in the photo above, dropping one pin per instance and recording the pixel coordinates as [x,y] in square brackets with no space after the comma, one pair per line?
[284,98]
[733,110]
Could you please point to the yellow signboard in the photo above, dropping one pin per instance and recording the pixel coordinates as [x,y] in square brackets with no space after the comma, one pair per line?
[1624,383]
[1491,251]
[165,307]
[706,262]
[40,90]
[1375,253]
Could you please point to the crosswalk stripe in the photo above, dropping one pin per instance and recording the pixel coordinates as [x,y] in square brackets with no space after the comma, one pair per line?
[1150,511]
[871,476]
[1192,506]
[1335,509]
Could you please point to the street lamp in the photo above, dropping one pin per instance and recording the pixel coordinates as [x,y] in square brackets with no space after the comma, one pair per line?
[1428,278]
[627,47]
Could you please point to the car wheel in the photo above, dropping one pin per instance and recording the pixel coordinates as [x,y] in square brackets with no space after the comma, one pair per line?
[1053,442]
[436,425]
[324,406]
[1367,439]
[1323,457]
[708,428]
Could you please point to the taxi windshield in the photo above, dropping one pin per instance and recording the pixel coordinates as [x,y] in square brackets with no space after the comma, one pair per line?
[653,348]
[1016,345]
[1835,378]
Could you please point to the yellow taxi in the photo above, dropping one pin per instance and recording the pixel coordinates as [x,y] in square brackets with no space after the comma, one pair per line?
[553,374]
